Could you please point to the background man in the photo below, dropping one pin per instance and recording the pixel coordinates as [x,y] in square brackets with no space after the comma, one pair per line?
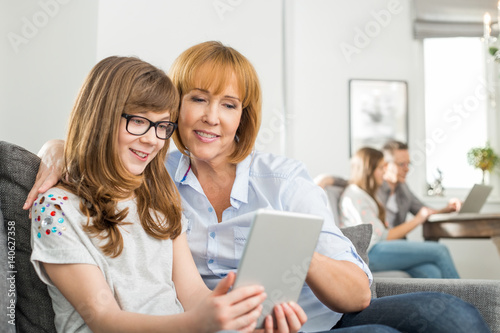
[395,194]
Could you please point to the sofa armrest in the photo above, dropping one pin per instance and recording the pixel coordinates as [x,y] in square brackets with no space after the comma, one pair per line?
[483,294]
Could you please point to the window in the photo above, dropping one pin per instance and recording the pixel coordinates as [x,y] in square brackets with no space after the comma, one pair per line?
[456,104]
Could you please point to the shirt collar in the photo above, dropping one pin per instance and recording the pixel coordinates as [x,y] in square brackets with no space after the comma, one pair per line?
[183,173]
[239,193]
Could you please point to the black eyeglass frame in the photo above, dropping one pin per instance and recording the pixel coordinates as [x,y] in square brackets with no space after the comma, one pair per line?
[151,124]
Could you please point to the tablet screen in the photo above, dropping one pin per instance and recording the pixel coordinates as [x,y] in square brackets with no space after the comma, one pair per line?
[277,255]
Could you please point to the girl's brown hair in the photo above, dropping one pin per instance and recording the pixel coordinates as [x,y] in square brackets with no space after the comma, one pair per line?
[93,169]
[210,65]
[363,165]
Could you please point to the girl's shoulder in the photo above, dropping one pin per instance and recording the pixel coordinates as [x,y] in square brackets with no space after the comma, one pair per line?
[56,201]
[353,190]
[55,212]
[57,195]
[350,189]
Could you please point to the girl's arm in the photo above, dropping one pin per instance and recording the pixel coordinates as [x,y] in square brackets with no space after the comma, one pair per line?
[86,289]
[188,283]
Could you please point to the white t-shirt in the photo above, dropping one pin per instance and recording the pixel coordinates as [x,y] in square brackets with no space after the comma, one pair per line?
[357,207]
[140,278]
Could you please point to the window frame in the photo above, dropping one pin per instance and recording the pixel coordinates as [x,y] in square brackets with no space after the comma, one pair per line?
[492,71]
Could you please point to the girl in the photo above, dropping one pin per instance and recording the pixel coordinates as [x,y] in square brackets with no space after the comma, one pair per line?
[110,240]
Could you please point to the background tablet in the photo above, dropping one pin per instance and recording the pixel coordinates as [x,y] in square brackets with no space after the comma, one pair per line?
[277,255]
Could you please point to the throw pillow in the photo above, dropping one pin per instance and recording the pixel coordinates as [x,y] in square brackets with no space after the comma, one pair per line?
[360,236]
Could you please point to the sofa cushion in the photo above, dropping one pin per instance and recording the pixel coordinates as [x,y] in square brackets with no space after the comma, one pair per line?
[483,294]
[360,236]
[18,168]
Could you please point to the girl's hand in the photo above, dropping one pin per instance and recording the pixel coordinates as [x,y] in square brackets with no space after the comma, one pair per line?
[237,310]
[289,319]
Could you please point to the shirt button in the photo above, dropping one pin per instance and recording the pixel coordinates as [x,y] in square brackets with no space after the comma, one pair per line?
[210,209]
[212,234]
[211,261]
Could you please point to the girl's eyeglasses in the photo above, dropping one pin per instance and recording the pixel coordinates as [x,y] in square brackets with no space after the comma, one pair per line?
[137,125]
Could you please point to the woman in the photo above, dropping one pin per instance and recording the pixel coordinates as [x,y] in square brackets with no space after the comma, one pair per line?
[222,181]
[387,250]
[110,240]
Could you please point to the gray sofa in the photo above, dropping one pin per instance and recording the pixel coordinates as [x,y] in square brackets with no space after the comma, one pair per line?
[34,312]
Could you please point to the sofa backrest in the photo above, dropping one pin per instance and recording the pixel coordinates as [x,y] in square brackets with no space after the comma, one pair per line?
[334,192]
[18,169]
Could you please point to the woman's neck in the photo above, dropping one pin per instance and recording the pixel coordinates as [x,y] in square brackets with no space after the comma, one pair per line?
[217,183]
[219,173]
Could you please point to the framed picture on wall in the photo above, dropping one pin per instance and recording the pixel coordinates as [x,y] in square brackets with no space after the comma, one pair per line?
[378,112]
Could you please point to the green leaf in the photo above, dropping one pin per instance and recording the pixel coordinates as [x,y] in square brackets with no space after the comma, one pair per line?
[483,158]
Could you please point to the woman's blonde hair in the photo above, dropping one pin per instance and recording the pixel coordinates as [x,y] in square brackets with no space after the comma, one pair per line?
[210,66]
[363,165]
[93,169]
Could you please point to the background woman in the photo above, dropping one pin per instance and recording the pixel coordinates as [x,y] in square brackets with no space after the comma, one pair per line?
[387,250]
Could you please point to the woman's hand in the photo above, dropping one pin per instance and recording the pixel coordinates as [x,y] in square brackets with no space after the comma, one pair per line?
[423,214]
[49,172]
[289,319]
[238,309]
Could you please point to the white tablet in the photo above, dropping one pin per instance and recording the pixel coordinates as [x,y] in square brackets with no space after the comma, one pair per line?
[277,255]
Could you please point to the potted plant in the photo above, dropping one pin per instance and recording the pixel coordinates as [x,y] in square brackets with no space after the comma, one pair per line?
[483,158]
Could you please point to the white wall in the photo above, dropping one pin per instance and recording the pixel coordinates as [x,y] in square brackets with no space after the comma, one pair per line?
[158,31]
[45,73]
[40,81]
[322,29]
[318,102]
[48,47]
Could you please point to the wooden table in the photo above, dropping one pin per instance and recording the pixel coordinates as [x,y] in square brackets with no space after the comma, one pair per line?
[465,226]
